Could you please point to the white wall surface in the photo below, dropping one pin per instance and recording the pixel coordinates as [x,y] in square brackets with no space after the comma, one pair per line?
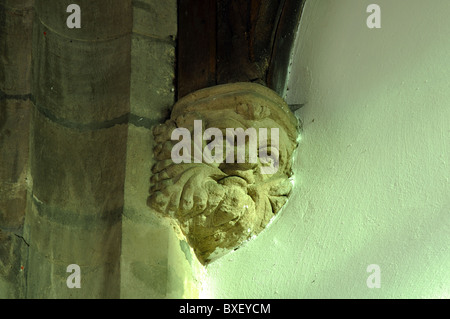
[373,165]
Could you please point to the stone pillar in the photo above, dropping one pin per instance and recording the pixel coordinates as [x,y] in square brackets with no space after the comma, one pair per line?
[16,17]
[81,83]
[81,171]
[155,262]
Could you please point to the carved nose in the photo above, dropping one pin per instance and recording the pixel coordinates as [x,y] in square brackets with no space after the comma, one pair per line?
[244,171]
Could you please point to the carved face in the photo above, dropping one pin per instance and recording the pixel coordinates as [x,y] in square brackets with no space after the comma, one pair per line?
[218,206]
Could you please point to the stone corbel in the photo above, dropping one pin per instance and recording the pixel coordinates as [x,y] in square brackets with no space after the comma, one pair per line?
[219,206]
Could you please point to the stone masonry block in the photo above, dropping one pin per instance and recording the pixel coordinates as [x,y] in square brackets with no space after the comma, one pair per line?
[70,237]
[155,18]
[15,52]
[76,170]
[100,19]
[152,77]
[78,81]
[14,133]
[16,4]
[47,279]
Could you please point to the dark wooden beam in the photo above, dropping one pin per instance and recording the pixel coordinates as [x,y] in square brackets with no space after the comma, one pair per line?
[225,41]
[196,65]
[244,39]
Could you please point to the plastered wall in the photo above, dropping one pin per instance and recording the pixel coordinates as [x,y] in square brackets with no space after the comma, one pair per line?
[372,170]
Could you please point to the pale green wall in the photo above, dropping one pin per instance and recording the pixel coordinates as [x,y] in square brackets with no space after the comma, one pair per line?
[372,172]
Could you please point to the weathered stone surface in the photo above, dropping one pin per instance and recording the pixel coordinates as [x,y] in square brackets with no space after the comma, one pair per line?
[153,264]
[15,58]
[12,265]
[77,181]
[92,244]
[101,20]
[70,167]
[139,159]
[220,205]
[80,92]
[152,77]
[15,55]
[14,131]
[155,18]
[79,82]
[50,279]
[145,258]
[17,4]
[70,237]
[86,200]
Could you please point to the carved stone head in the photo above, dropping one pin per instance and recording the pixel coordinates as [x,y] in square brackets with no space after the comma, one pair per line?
[222,198]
